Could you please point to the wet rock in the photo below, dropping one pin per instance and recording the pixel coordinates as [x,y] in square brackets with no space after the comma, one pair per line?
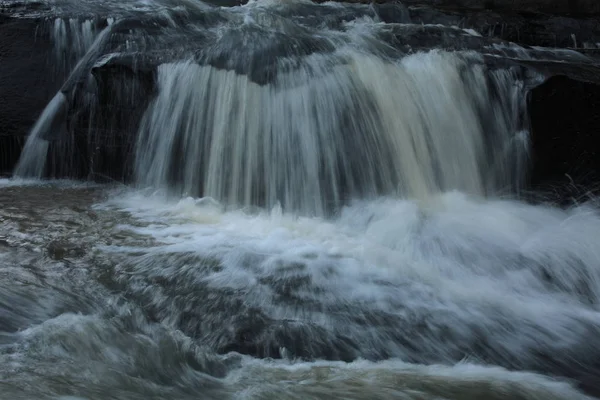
[538,23]
[573,7]
[27,83]
[59,249]
[393,12]
[102,125]
[529,28]
[565,122]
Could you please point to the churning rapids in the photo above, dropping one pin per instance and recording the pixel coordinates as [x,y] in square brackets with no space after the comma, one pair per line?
[320,209]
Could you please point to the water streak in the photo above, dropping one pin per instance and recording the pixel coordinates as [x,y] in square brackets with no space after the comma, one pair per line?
[53,121]
[33,159]
[323,133]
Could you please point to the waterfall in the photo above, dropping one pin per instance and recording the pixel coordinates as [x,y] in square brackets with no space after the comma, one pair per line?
[254,108]
[321,134]
[322,201]
[33,160]
[53,121]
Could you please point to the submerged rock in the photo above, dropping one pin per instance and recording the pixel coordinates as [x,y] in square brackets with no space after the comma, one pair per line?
[58,250]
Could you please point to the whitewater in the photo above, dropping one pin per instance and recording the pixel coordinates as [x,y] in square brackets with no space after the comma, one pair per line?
[312,213]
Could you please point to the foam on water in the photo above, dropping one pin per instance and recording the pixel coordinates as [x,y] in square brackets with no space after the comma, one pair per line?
[392,380]
[424,299]
[525,277]
[101,343]
[384,234]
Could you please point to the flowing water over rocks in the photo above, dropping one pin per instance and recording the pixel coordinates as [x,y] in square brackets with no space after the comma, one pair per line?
[109,293]
[323,201]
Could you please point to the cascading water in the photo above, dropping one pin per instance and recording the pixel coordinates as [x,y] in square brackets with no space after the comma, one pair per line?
[324,133]
[33,160]
[72,38]
[333,228]
[313,119]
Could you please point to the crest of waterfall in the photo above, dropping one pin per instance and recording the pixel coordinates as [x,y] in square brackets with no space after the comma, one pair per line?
[72,37]
[324,133]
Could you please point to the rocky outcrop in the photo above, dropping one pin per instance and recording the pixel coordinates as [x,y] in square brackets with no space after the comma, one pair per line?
[518,24]
[565,132]
[103,101]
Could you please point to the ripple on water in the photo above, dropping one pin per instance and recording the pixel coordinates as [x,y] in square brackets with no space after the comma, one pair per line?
[168,300]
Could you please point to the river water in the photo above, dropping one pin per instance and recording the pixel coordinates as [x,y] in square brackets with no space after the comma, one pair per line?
[113,293]
[323,205]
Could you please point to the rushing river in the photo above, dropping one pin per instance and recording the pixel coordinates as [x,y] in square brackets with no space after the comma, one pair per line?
[111,293]
[321,205]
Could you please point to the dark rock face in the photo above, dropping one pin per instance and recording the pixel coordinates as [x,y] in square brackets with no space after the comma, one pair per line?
[527,29]
[561,23]
[27,82]
[103,108]
[573,7]
[102,125]
[565,123]
[518,25]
